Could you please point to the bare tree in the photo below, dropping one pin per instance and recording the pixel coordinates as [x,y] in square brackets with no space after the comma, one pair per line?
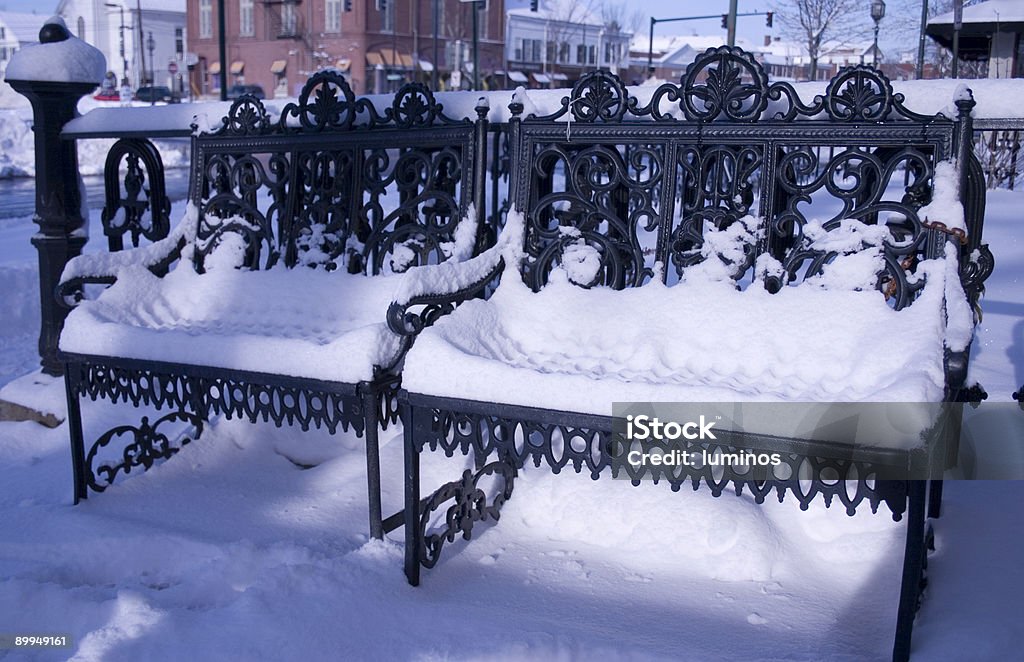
[815,23]
[614,15]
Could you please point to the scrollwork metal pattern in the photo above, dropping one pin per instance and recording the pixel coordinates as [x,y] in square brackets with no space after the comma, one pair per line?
[148,444]
[517,440]
[471,504]
[727,84]
[293,404]
[636,185]
[336,183]
[140,208]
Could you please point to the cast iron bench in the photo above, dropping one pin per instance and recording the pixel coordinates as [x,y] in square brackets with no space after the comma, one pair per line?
[283,269]
[803,225]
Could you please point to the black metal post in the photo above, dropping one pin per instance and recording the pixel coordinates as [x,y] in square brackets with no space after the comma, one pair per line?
[913,569]
[650,48]
[369,402]
[62,229]
[413,539]
[223,51]
[874,49]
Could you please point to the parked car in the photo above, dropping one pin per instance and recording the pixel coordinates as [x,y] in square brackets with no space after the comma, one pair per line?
[236,91]
[153,93]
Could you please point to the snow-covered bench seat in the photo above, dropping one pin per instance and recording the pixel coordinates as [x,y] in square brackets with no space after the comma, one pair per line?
[723,242]
[268,300]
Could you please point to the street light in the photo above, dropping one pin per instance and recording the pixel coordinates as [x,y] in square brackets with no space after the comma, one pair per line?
[124,60]
[877,14]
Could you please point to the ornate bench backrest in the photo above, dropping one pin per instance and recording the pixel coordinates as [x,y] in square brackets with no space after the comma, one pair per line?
[719,171]
[335,182]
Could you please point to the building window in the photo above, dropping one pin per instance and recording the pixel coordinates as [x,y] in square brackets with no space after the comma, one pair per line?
[563,52]
[593,54]
[81,28]
[388,18]
[245,27]
[530,51]
[581,54]
[484,8]
[179,41]
[289,19]
[551,52]
[205,18]
[332,16]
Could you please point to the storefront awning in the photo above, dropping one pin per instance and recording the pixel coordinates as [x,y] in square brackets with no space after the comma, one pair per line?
[237,67]
[559,77]
[395,59]
[214,68]
[343,64]
[542,78]
[518,77]
[278,66]
[374,59]
[426,66]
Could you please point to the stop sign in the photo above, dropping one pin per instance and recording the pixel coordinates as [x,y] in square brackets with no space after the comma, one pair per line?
[172,68]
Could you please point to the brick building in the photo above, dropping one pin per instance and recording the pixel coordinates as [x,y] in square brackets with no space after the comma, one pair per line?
[278,44]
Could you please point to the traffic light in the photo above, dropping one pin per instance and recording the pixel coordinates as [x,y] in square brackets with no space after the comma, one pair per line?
[348,5]
[725,21]
[769,19]
[533,5]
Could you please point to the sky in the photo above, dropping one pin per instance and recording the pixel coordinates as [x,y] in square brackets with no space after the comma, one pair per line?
[751,28]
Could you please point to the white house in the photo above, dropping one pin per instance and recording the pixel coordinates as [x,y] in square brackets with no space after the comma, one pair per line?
[559,43]
[122,31]
[16,31]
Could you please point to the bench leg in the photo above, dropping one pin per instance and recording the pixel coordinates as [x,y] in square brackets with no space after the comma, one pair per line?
[413,535]
[373,464]
[77,438]
[913,569]
[934,499]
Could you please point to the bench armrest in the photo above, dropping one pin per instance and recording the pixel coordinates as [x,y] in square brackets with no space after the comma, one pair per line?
[104,268]
[430,292]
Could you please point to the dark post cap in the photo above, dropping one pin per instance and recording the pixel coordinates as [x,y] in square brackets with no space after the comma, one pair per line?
[53,32]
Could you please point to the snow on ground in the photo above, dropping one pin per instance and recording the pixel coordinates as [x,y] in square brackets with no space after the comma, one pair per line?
[233,551]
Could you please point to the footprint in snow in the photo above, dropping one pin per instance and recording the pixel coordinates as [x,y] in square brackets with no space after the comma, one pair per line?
[756,619]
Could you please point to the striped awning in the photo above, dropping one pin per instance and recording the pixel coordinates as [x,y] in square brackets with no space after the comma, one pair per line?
[541,78]
[237,67]
[278,66]
[214,68]
[518,77]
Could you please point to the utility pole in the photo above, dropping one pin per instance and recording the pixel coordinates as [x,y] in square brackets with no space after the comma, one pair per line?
[222,39]
[138,40]
[437,63]
[919,74]
[731,39]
